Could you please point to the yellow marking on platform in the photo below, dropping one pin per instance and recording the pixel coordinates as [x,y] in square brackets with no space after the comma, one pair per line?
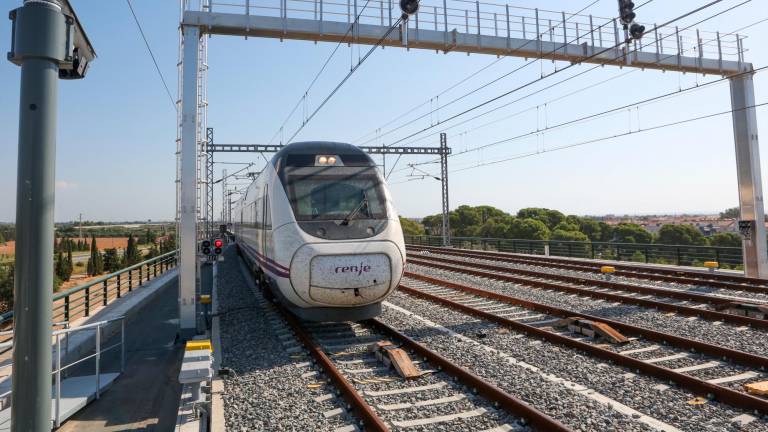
[195,345]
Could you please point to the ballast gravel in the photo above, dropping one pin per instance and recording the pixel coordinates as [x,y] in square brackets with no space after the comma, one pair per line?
[740,338]
[668,404]
[267,391]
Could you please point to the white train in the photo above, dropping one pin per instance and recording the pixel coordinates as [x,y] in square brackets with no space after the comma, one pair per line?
[317,226]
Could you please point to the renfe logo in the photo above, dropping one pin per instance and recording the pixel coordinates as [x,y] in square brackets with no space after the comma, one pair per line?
[354,269]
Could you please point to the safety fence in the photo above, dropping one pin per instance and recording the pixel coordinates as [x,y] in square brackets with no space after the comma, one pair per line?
[681,255]
[81,301]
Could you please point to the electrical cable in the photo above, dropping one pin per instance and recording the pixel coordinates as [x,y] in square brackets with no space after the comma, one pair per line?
[322,69]
[151,54]
[595,140]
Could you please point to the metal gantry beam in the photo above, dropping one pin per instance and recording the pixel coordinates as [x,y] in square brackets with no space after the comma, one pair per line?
[263,148]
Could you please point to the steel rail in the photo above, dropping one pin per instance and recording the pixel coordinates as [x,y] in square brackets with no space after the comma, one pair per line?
[371,420]
[713,391]
[641,272]
[652,304]
[737,356]
[537,419]
[621,286]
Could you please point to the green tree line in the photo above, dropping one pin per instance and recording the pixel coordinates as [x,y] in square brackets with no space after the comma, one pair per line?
[548,224]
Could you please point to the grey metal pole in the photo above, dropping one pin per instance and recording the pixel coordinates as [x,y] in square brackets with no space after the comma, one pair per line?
[40,45]
[444,184]
[751,203]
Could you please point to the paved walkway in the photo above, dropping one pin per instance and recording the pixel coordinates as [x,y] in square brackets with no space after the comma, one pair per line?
[146,396]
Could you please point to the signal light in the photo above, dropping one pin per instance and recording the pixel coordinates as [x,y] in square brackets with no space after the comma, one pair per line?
[218,243]
[205,247]
[626,12]
[217,251]
[409,7]
[636,31]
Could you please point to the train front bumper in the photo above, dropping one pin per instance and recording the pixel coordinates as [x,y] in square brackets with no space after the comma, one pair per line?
[346,273]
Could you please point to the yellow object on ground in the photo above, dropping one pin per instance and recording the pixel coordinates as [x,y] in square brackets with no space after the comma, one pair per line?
[195,345]
[711,264]
[607,269]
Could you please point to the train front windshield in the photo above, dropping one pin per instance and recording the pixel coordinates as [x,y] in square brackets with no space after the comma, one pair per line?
[335,193]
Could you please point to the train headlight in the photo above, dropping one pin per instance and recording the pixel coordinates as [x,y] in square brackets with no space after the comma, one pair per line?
[328,160]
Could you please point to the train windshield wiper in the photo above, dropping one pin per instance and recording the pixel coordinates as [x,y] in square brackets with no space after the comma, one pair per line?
[353,213]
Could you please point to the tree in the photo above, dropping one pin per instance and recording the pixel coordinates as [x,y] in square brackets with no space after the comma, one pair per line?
[95,262]
[528,229]
[68,265]
[111,260]
[731,213]
[606,232]
[58,266]
[150,237]
[550,218]
[631,233]
[2,238]
[684,234]
[411,227]
[563,235]
[496,227]
[131,255]
[726,240]
[6,285]
[465,221]
[152,252]
[567,226]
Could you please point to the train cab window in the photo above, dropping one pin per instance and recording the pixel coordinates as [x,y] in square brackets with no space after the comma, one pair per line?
[336,193]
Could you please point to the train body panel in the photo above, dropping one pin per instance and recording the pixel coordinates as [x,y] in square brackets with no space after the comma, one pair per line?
[324,236]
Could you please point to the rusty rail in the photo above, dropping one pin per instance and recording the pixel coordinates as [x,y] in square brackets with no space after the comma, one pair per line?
[371,420]
[719,280]
[723,394]
[740,357]
[537,419]
[682,310]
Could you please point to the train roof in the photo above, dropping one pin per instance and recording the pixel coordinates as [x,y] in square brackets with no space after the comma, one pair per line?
[303,154]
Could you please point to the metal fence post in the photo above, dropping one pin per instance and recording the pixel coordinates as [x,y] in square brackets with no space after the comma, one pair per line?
[122,345]
[118,285]
[57,420]
[105,293]
[66,308]
[130,280]
[140,276]
[87,301]
[98,361]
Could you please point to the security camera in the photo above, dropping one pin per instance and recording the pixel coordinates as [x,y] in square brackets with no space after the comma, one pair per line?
[80,50]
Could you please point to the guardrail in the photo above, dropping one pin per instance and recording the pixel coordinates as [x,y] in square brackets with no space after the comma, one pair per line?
[59,368]
[81,301]
[681,255]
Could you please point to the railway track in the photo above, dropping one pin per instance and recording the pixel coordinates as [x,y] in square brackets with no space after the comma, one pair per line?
[679,302]
[712,371]
[446,395]
[685,277]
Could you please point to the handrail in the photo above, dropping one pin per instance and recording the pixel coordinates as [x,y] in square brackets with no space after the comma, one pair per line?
[97,281]
[166,261]
[649,252]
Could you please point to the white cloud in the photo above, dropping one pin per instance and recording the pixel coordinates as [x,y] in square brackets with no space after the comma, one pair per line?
[64,185]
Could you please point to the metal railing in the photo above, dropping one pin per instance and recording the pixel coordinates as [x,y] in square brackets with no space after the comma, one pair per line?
[491,19]
[680,255]
[59,369]
[81,300]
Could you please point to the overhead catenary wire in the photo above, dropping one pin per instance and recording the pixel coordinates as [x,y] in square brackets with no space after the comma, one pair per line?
[603,113]
[346,77]
[303,98]
[560,97]
[477,72]
[694,24]
[151,54]
[541,57]
[567,67]
[595,140]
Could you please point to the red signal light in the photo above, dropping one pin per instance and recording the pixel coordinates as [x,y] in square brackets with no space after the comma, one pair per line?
[218,243]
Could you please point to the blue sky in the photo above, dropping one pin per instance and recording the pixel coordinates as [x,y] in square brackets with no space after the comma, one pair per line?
[115,154]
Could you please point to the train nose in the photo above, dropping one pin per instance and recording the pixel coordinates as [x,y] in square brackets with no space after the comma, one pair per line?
[365,274]
[349,279]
